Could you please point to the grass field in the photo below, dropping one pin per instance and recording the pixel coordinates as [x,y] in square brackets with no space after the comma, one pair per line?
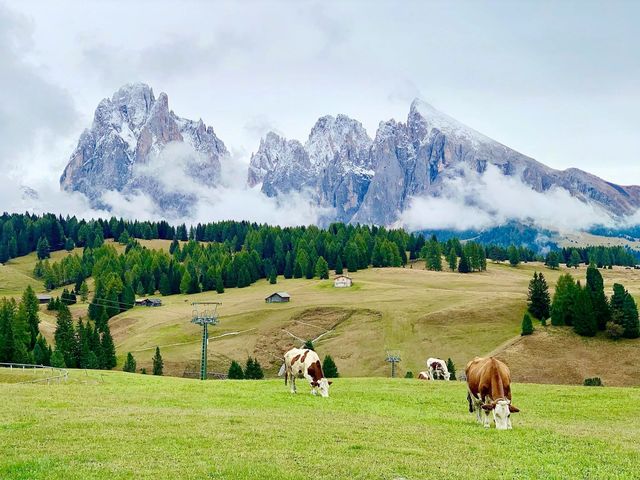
[121,426]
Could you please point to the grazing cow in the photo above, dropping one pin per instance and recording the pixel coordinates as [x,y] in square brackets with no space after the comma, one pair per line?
[424,376]
[489,390]
[304,363]
[438,369]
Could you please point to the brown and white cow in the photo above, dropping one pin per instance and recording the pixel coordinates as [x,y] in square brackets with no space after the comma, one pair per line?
[304,363]
[424,376]
[489,390]
[438,369]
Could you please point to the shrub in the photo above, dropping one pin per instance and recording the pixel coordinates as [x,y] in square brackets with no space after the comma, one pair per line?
[614,330]
[593,382]
[452,369]
[409,374]
[308,345]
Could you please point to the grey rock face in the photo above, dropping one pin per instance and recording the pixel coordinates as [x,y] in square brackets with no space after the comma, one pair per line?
[133,129]
[334,165]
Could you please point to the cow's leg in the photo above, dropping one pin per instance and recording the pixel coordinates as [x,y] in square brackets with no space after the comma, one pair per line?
[293,383]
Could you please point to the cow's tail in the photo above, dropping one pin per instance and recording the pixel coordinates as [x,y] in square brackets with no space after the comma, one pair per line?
[282,371]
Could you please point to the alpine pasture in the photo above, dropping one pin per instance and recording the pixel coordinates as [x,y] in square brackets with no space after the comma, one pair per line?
[118,425]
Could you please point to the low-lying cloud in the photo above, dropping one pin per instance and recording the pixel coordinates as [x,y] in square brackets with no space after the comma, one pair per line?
[479,201]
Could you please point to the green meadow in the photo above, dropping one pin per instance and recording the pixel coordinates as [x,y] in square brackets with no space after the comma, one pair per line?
[114,425]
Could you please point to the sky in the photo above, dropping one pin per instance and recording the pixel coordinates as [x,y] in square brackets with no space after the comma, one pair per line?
[557,81]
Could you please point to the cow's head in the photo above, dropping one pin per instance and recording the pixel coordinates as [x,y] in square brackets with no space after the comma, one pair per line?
[323,386]
[502,410]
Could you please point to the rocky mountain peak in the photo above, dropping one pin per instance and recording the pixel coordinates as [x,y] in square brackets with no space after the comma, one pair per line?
[134,128]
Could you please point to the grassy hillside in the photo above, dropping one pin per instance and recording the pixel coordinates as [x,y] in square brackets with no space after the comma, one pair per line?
[415,312]
[121,426]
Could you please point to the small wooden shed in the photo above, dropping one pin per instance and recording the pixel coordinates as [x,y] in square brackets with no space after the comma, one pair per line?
[342,281]
[43,298]
[278,297]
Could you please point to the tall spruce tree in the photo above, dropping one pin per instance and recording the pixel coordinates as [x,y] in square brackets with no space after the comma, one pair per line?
[514,256]
[108,360]
[584,319]
[463,264]
[452,259]
[595,287]
[65,336]
[339,267]
[322,269]
[563,298]
[630,318]
[538,299]
[158,363]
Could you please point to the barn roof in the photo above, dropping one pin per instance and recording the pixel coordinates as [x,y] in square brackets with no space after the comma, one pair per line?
[280,294]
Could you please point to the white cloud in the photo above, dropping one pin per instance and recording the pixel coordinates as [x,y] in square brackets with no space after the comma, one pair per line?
[477,201]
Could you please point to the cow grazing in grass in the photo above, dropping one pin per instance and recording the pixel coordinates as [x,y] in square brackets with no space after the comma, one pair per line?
[304,363]
[438,369]
[424,376]
[489,390]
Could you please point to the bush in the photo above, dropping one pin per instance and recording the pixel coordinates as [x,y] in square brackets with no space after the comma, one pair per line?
[409,374]
[308,345]
[593,382]
[452,369]
[614,330]
[329,367]
[129,364]
[235,371]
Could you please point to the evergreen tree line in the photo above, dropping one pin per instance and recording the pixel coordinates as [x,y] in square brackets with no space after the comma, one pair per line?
[585,308]
[20,337]
[465,258]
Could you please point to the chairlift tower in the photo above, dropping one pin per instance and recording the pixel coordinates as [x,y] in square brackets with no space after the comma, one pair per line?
[393,359]
[205,314]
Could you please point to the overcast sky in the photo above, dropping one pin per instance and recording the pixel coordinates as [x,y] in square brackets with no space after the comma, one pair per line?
[558,81]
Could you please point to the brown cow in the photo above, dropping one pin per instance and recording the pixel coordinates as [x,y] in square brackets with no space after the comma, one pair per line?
[489,390]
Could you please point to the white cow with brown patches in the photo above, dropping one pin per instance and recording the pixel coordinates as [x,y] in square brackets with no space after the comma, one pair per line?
[305,363]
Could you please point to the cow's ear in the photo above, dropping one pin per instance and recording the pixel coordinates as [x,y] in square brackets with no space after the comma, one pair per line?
[488,407]
[314,384]
[513,409]
[330,382]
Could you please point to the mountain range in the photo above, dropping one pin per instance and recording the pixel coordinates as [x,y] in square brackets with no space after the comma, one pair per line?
[353,177]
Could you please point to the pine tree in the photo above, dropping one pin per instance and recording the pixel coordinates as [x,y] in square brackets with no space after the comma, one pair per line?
[514,256]
[108,360]
[84,292]
[158,364]
[339,267]
[595,286]
[57,359]
[538,299]
[235,371]
[617,299]
[562,301]
[31,308]
[253,370]
[219,283]
[584,319]
[308,344]
[452,369]
[329,367]
[65,336]
[322,269]
[452,259]
[129,364]
[630,318]
[288,266]
[42,249]
[185,283]
[273,278]
[527,325]
[463,264]
[552,261]
[575,259]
